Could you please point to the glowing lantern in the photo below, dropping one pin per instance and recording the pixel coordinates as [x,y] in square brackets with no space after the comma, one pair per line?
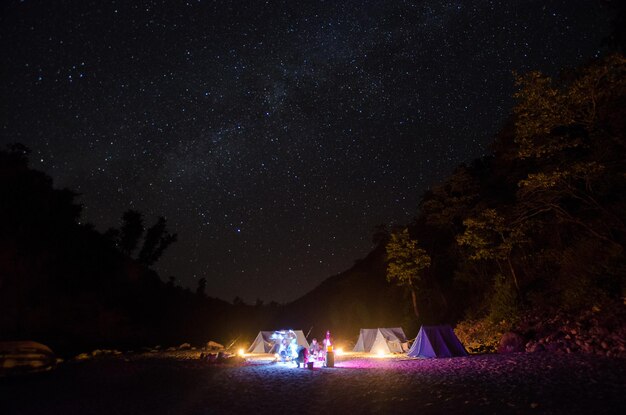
[241,352]
[339,352]
[380,353]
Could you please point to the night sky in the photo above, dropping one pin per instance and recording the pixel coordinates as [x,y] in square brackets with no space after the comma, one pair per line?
[272,135]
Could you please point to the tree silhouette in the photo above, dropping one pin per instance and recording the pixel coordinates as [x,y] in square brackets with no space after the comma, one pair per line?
[201,289]
[130,232]
[380,235]
[157,239]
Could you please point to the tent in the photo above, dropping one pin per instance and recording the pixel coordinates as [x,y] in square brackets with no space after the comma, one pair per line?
[437,341]
[266,341]
[386,340]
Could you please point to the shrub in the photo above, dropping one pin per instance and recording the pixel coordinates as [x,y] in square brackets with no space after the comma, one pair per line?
[504,303]
[482,335]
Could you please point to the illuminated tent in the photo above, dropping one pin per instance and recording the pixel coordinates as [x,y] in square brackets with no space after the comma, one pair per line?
[266,341]
[437,341]
[385,340]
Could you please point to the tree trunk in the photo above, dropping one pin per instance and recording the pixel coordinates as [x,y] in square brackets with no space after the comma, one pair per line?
[414,300]
[508,258]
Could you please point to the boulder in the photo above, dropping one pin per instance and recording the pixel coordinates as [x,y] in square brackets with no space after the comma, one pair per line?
[184,346]
[17,357]
[535,347]
[511,343]
[211,345]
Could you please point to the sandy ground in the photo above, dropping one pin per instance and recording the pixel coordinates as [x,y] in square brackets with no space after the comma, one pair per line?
[179,384]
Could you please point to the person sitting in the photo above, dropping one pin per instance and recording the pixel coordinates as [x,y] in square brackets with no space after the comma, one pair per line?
[315,350]
[283,350]
[303,356]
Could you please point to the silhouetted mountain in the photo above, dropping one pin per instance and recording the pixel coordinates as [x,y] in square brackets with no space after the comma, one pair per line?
[357,298]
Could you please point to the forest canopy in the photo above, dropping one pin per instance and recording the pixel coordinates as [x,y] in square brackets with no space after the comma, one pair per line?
[541,222]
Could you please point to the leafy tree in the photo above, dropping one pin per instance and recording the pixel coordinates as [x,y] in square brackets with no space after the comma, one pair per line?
[488,237]
[406,262]
[448,202]
[551,118]
[504,300]
[573,133]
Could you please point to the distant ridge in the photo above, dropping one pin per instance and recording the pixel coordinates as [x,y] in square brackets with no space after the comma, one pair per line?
[356,298]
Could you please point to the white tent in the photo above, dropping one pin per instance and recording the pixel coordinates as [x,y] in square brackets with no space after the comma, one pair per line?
[266,341]
[385,340]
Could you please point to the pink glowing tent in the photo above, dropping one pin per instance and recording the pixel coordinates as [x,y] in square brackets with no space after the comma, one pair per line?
[437,341]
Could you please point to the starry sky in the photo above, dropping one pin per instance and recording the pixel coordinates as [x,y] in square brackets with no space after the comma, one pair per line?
[273,135]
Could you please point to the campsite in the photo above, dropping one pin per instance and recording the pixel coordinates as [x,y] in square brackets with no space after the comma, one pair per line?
[313,207]
[177,383]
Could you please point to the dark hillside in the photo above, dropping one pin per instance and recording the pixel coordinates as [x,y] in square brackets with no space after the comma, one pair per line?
[357,298]
[65,284]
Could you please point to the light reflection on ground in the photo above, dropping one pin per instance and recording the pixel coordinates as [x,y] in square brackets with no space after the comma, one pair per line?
[518,383]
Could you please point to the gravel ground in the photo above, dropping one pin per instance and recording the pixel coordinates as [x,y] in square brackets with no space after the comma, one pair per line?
[538,383]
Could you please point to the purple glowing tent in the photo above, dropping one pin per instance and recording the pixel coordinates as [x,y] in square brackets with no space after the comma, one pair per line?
[436,341]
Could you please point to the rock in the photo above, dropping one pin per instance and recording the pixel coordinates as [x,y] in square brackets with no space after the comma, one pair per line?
[20,357]
[96,352]
[184,346]
[171,349]
[552,347]
[211,345]
[83,356]
[511,343]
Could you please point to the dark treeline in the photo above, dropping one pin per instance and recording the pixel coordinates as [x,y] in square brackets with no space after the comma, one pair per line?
[538,224]
[67,285]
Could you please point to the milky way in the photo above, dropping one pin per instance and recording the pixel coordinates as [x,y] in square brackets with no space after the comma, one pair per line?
[273,135]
